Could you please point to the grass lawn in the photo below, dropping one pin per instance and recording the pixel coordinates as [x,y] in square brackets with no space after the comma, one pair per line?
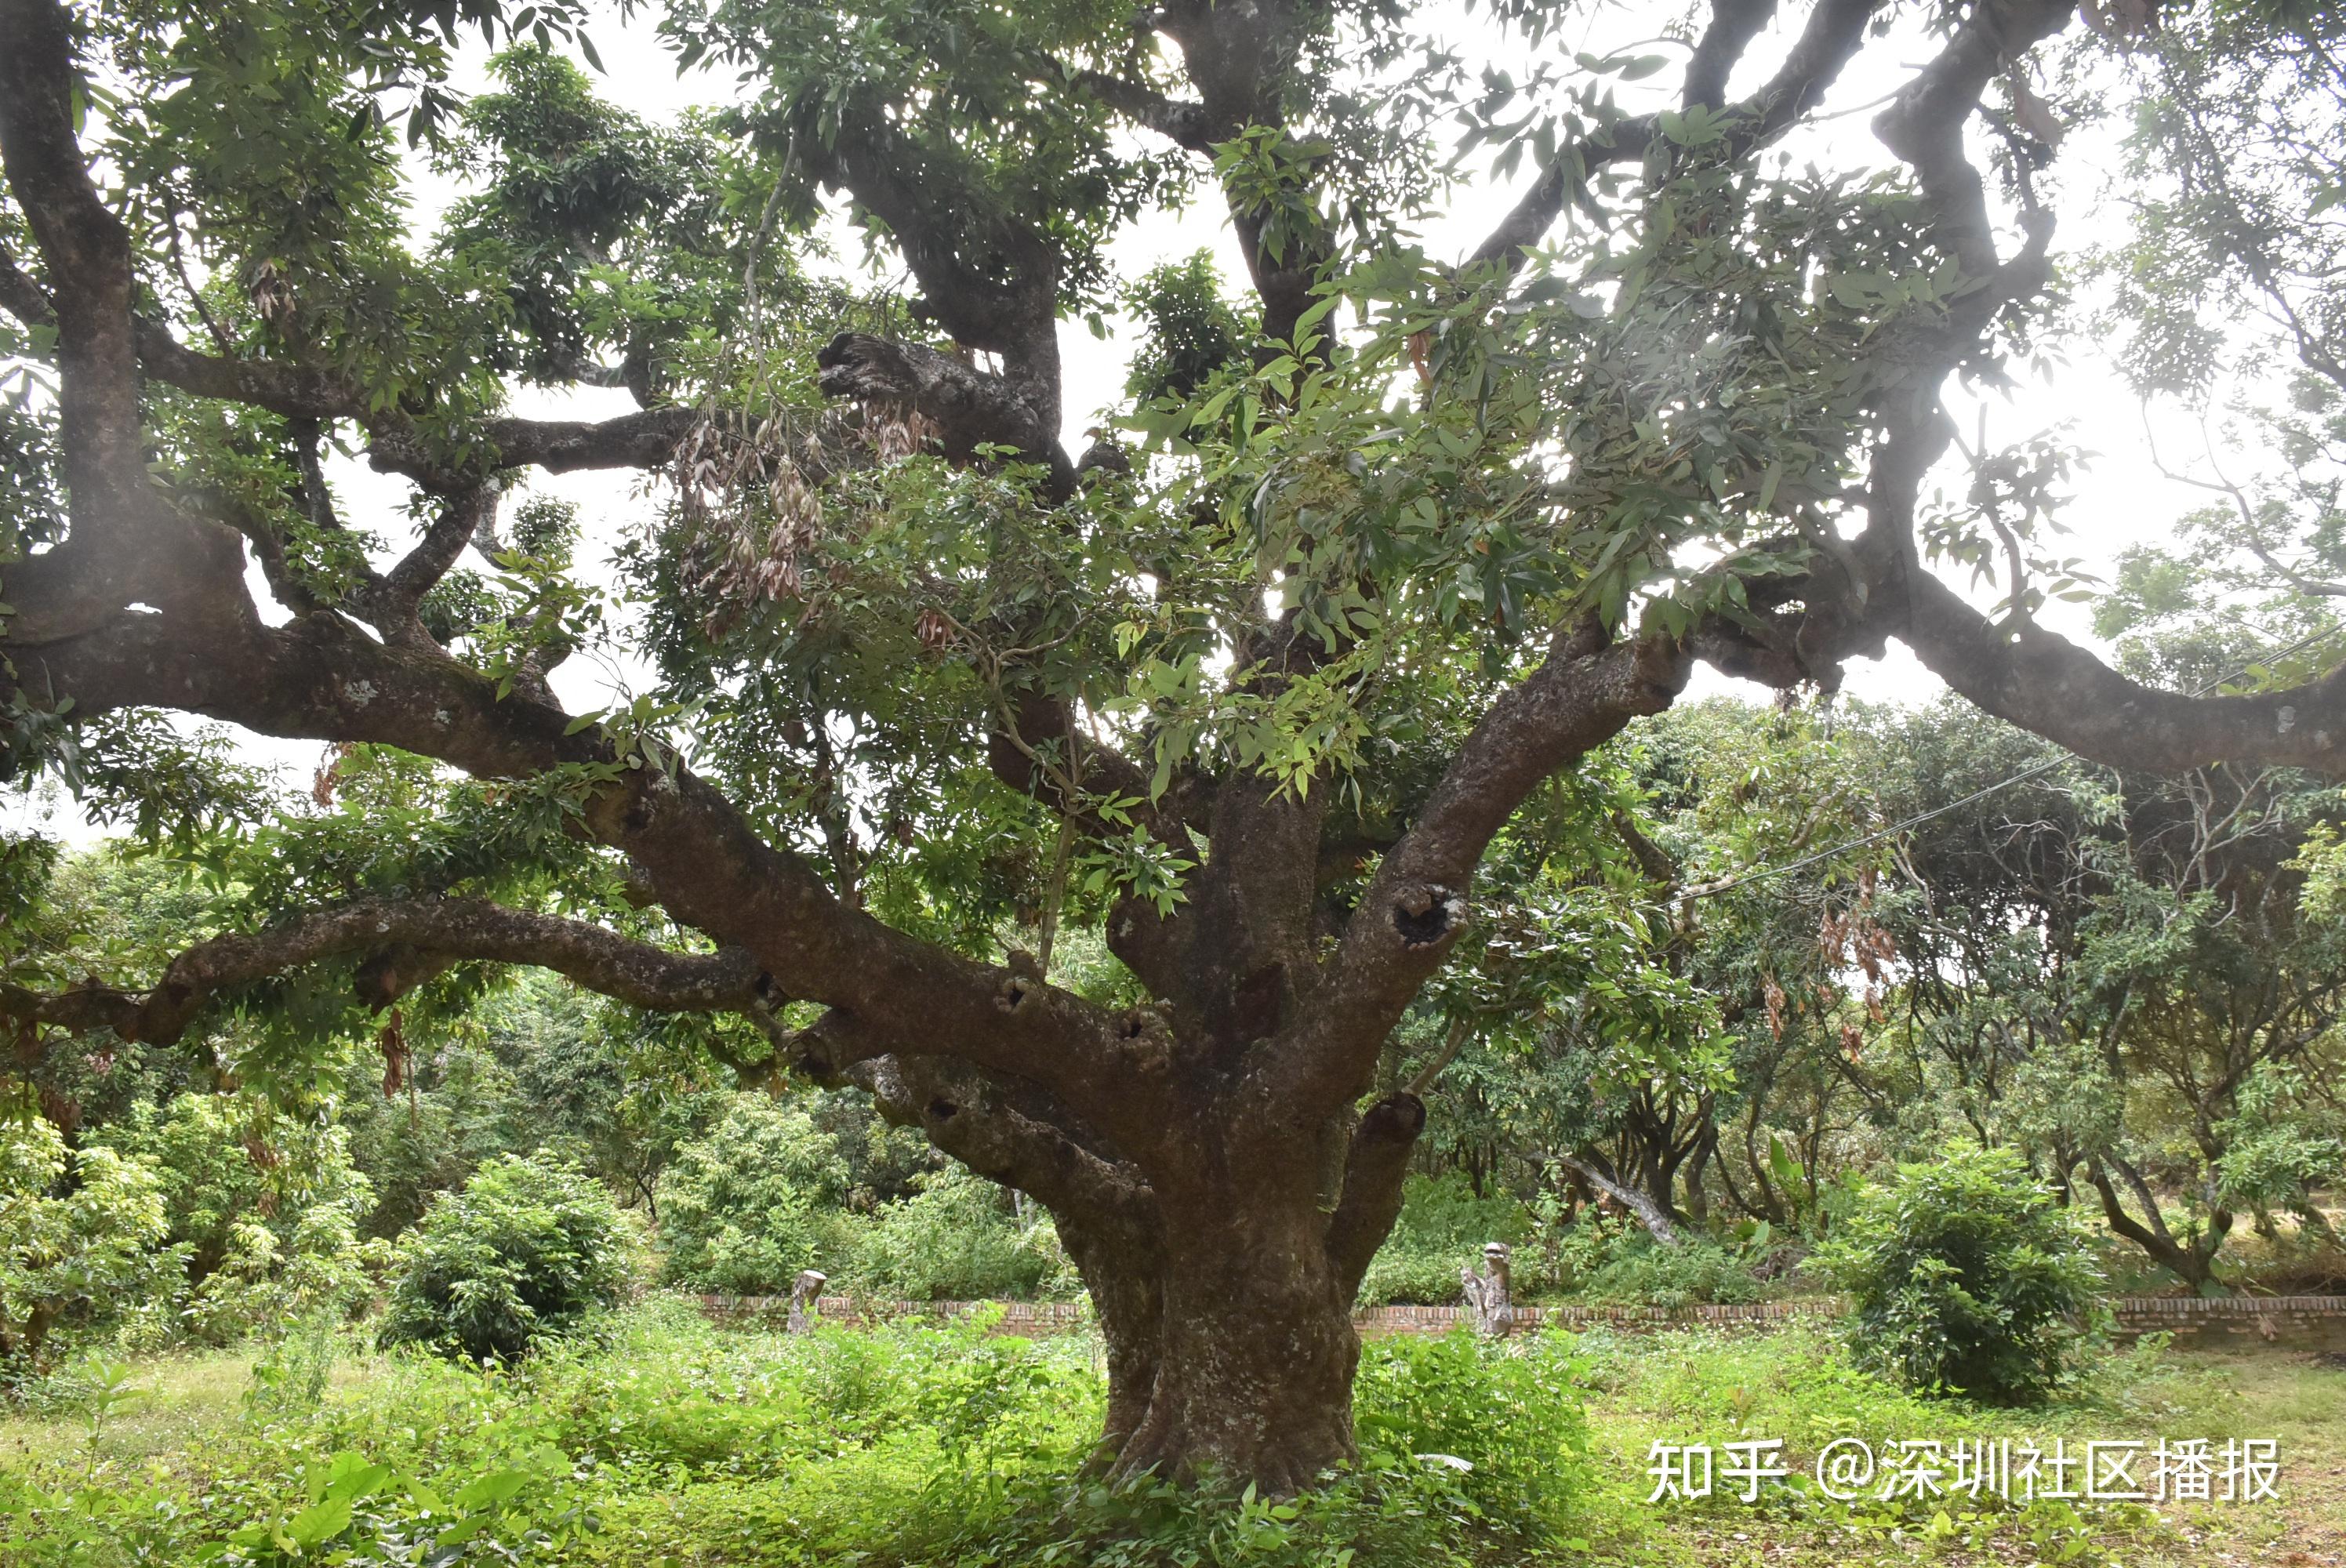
[665,1442]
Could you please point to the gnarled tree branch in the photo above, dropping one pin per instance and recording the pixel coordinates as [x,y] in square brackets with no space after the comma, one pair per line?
[1410,917]
[452,930]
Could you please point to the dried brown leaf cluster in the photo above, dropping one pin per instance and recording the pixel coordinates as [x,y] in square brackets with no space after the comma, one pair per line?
[753,493]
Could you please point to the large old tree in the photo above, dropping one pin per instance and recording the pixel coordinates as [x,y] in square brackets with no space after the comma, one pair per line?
[1250,688]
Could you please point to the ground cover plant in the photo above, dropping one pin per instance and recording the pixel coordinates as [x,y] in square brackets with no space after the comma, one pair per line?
[658,1439]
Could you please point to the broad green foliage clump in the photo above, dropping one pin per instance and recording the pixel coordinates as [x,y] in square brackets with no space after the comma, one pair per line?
[1966,1275]
[1442,1229]
[1640,1271]
[527,1248]
[771,1190]
[1516,1418]
[957,1239]
[743,1209]
[79,1234]
[265,1206]
[1193,332]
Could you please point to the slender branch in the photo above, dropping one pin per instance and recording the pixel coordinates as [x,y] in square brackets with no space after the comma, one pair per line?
[1458,1029]
[1923,125]
[1835,30]
[1183,122]
[645,439]
[1649,1213]
[1660,867]
[390,602]
[22,297]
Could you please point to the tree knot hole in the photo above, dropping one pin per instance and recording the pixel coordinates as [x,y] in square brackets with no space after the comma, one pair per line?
[1423,916]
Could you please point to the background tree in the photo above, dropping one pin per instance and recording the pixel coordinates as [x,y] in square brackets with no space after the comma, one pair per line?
[86,1250]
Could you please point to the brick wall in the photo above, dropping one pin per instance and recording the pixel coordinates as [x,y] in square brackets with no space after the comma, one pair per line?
[2306,1322]
[2299,1321]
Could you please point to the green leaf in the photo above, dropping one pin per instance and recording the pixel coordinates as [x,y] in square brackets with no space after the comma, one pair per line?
[494,1490]
[316,1526]
[1782,1163]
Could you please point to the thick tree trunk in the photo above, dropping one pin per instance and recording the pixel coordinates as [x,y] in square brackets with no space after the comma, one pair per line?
[1222,1282]
[1121,1273]
[1253,1379]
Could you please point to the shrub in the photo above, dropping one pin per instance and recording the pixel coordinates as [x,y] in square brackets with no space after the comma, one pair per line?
[528,1248]
[743,1209]
[318,1274]
[1965,1276]
[1514,1416]
[1640,1271]
[86,1257]
[767,1193]
[956,1240]
[265,1208]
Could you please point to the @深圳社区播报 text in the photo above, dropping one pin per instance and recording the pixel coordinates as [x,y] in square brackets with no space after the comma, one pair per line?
[2201,1470]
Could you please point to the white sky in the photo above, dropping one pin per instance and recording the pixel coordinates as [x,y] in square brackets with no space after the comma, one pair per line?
[2119,500]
